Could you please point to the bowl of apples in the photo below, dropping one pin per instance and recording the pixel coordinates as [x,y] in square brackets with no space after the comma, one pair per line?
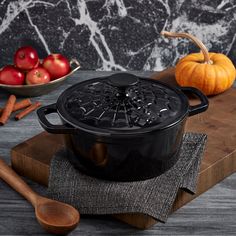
[31,76]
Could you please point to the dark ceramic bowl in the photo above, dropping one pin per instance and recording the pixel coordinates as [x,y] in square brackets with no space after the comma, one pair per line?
[40,89]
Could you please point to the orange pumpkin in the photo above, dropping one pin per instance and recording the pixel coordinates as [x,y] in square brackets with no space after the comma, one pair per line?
[212,73]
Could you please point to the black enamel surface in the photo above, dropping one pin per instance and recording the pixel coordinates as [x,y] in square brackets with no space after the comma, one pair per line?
[135,152]
[98,104]
[126,160]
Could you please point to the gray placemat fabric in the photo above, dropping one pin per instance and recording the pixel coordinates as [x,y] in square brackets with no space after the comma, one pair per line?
[189,180]
[153,197]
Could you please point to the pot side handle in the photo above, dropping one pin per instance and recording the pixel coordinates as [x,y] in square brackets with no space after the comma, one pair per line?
[50,128]
[193,110]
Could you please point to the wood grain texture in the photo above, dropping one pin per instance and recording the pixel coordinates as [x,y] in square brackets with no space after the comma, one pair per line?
[213,213]
[55,217]
[219,161]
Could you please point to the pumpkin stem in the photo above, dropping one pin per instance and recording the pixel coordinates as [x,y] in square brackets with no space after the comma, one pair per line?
[197,41]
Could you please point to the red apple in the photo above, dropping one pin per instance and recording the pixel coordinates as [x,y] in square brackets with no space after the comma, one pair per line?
[57,65]
[37,76]
[11,76]
[26,58]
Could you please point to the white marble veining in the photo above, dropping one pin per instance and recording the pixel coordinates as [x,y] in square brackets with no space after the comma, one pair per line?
[117,34]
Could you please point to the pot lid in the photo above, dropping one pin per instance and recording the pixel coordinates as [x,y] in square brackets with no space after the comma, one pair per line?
[122,102]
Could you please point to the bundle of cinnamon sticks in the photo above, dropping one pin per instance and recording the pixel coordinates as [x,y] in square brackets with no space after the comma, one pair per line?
[26,106]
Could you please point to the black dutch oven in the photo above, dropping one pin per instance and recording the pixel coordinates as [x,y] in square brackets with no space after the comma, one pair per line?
[123,127]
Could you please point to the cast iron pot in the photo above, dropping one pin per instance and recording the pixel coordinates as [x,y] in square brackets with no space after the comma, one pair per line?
[123,127]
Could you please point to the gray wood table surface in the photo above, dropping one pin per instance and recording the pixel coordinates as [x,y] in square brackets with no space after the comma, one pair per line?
[213,213]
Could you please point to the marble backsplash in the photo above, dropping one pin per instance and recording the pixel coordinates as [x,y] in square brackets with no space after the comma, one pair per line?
[116,34]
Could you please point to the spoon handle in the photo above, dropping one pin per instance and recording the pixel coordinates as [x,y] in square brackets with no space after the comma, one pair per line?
[17,183]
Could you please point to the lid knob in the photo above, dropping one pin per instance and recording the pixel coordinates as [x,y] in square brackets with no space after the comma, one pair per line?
[123,80]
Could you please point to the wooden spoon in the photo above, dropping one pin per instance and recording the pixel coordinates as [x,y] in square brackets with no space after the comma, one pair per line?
[55,217]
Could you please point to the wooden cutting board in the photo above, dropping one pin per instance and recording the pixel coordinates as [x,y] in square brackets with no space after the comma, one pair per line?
[32,158]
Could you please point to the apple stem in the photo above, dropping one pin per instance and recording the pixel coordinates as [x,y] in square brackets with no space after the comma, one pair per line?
[22,56]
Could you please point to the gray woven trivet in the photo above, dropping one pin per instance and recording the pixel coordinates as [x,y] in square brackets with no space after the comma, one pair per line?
[153,197]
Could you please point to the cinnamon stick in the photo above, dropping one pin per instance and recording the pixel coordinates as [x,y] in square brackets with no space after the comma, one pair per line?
[7,109]
[20,105]
[27,111]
